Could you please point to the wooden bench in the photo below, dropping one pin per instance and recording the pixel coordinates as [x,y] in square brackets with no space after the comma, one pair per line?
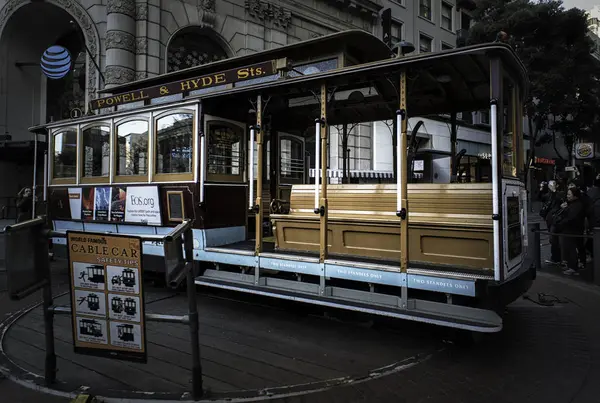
[449,224]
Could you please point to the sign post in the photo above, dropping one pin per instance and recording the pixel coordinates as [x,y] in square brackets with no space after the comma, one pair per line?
[107,299]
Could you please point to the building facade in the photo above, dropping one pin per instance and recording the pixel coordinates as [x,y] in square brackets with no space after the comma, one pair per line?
[113,42]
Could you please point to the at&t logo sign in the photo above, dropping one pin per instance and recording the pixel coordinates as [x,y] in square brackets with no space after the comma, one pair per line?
[56,62]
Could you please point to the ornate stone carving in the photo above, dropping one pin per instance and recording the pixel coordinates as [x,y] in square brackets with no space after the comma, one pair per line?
[83,19]
[116,75]
[207,5]
[141,46]
[126,7]
[140,75]
[141,11]
[120,40]
[266,11]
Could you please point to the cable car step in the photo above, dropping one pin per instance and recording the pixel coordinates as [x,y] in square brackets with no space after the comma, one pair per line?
[455,316]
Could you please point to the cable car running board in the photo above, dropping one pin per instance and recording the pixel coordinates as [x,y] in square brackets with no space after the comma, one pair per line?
[455,316]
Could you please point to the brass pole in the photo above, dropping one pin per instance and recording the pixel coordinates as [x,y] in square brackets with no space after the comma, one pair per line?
[259,177]
[403,172]
[514,130]
[323,200]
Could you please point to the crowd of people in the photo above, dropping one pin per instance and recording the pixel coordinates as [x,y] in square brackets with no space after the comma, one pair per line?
[570,211]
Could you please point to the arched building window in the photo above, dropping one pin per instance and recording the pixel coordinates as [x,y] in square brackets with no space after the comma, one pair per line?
[192,47]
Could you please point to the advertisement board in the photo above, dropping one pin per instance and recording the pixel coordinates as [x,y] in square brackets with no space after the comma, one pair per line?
[132,204]
[107,299]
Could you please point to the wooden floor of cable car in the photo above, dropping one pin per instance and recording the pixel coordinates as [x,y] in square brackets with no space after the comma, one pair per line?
[379,263]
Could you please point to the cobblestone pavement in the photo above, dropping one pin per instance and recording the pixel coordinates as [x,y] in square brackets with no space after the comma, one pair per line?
[548,352]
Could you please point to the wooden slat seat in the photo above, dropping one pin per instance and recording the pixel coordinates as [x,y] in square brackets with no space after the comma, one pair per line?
[448,223]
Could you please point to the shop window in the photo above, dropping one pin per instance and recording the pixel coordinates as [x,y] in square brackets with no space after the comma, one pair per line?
[225,151]
[65,155]
[132,148]
[174,144]
[96,152]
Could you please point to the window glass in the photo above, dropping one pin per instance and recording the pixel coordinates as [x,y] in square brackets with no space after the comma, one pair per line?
[447,16]
[224,150]
[425,9]
[424,44]
[96,150]
[174,143]
[396,29]
[65,154]
[132,151]
[292,159]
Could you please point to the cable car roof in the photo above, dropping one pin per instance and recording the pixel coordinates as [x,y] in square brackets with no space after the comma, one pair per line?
[456,80]
[360,45]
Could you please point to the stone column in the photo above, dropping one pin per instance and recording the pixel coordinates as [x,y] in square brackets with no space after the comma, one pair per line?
[120,42]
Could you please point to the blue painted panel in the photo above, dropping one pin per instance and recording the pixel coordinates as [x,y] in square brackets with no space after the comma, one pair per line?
[364,275]
[136,229]
[293,266]
[224,236]
[445,285]
[227,258]
[153,248]
[68,225]
[163,230]
[95,227]
[199,239]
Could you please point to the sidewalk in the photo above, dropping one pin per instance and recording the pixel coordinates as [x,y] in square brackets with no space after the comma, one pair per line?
[547,352]
[11,392]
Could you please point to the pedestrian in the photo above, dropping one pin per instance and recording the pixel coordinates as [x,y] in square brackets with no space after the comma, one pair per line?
[569,222]
[594,212]
[548,211]
[24,204]
[587,206]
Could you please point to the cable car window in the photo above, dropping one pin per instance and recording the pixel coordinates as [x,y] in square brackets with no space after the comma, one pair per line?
[174,143]
[292,159]
[65,154]
[96,151]
[225,151]
[132,150]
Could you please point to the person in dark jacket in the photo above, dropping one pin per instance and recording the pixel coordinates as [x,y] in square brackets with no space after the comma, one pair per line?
[587,204]
[570,220]
[594,211]
[24,204]
[550,208]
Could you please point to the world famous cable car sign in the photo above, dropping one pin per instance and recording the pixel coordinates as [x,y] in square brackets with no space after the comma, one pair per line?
[107,300]
[189,84]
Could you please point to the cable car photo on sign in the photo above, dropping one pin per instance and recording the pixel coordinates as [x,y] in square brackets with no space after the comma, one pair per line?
[107,300]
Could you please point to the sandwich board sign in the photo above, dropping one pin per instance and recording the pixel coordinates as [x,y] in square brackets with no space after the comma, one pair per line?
[107,299]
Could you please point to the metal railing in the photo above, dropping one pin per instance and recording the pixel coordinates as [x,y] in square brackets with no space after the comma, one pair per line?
[176,242]
[536,247]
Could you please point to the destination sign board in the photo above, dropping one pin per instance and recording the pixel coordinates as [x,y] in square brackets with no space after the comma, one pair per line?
[189,84]
[107,299]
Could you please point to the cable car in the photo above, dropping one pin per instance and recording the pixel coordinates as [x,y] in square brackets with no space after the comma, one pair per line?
[95,273]
[125,332]
[90,327]
[248,162]
[117,305]
[93,302]
[130,306]
[128,278]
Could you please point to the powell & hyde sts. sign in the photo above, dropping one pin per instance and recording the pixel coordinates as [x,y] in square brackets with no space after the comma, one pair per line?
[189,84]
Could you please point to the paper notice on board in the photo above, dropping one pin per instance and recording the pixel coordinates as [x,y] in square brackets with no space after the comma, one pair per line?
[142,205]
[87,204]
[117,207]
[102,203]
[75,203]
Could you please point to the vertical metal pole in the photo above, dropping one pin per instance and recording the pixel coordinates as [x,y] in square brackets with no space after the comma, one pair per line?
[259,177]
[324,160]
[318,123]
[497,138]
[193,315]
[34,190]
[403,177]
[50,362]
[453,140]
[536,246]
[596,257]
[45,175]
